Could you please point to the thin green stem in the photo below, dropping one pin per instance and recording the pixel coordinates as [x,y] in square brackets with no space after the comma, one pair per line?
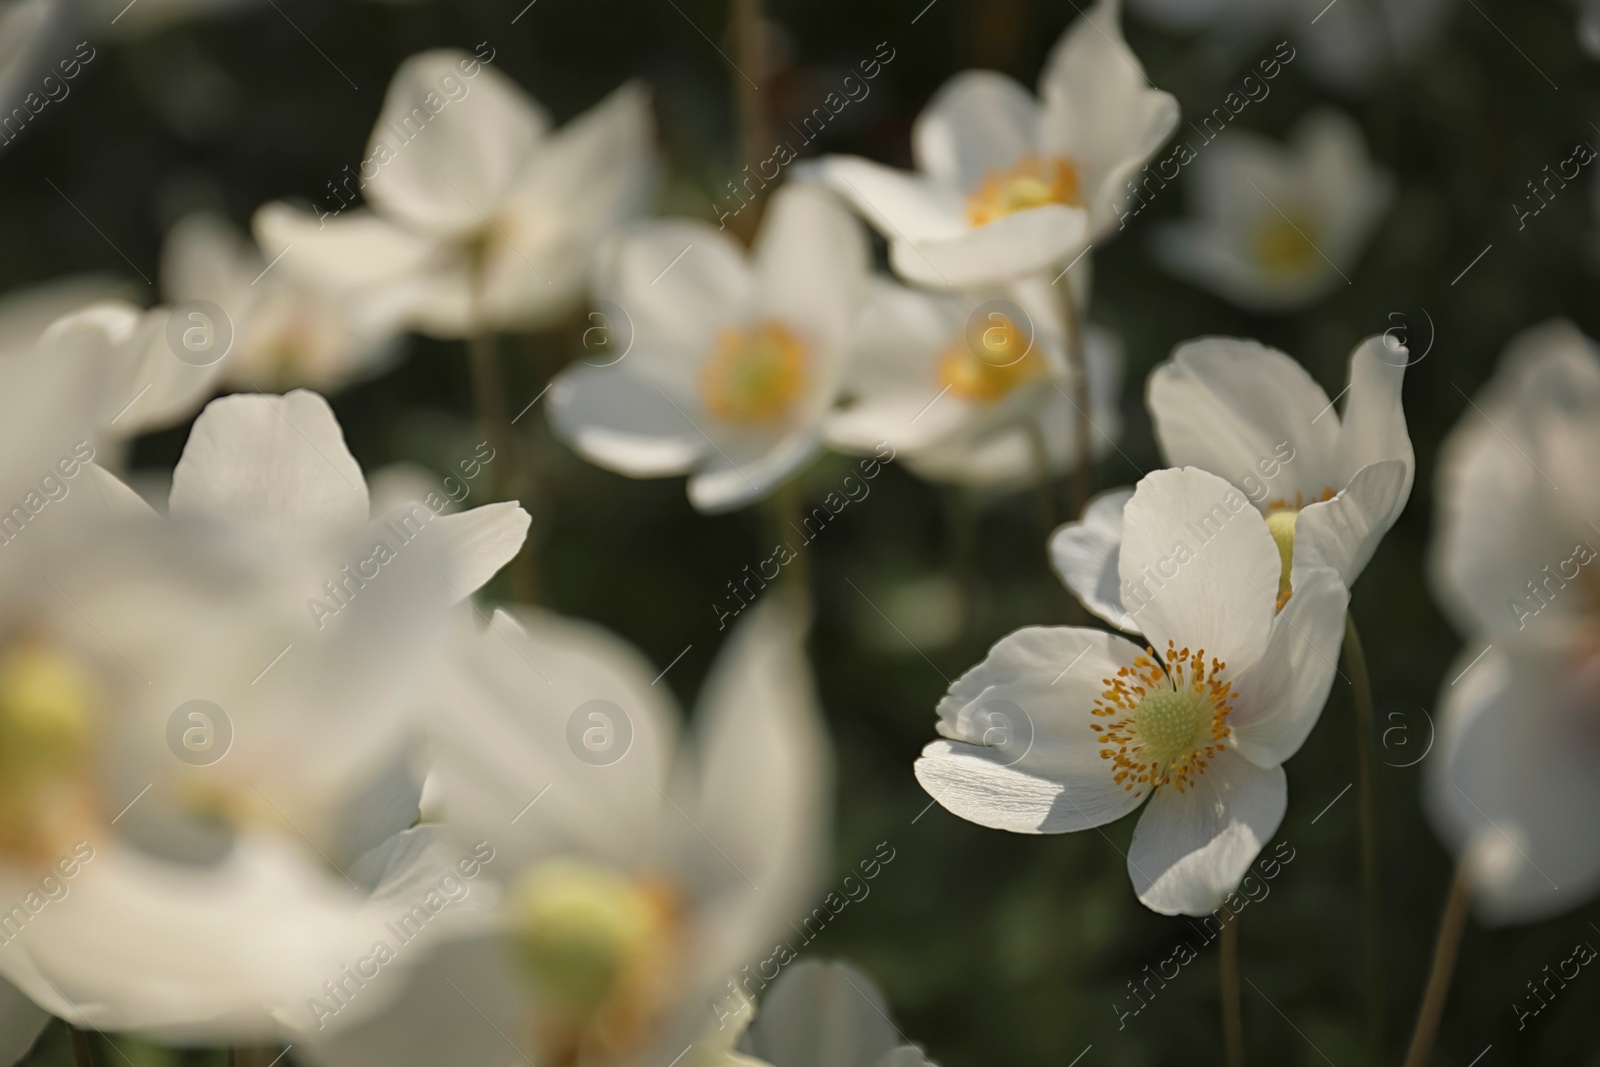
[1451,923]
[961,522]
[1043,480]
[785,521]
[1361,684]
[1232,1017]
[1078,367]
[82,1054]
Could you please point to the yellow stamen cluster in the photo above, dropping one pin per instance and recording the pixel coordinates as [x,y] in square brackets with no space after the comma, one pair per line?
[1000,360]
[1033,182]
[1168,720]
[47,702]
[599,946]
[1285,244]
[754,375]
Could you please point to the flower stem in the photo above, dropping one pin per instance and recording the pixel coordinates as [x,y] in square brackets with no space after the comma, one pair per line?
[755,136]
[1078,367]
[1451,923]
[1232,1019]
[1361,683]
[82,1055]
[1042,478]
[784,517]
[489,398]
[961,524]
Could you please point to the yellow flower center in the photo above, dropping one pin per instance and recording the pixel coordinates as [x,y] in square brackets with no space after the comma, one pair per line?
[1033,182]
[1168,721]
[599,946]
[1282,517]
[1285,245]
[47,702]
[1002,359]
[754,375]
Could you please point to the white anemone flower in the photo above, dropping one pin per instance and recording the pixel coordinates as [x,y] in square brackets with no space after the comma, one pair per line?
[286,331]
[635,879]
[735,361]
[1278,227]
[1062,729]
[480,213]
[824,1015]
[1008,183]
[1329,486]
[1514,783]
[972,401]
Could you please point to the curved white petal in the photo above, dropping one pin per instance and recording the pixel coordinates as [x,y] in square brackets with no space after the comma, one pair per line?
[1278,702]
[896,203]
[979,121]
[1249,413]
[449,147]
[1008,248]
[1022,754]
[482,540]
[821,1015]
[679,282]
[352,248]
[1199,569]
[1190,849]
[1373,428]
[1086,555]
[732,479]
[274,463]
[624,422]
[1344,532]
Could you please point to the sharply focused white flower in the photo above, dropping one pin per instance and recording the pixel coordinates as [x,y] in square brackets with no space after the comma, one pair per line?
[286,331]
[480,214]
[1330,487]
[971,400]
[1063,729]
[1278,227]
[1009,183]
[735,361]
[1516,779]
[1347,45]
[635,880]
[825,1015]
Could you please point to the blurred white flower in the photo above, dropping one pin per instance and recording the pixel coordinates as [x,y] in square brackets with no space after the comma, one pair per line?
[1513,565]
[735,361]
[1329,487]
[826,1015]
[1009,183]
[286,331]
[480,214]
[1062,729]
[966,387]
[1278,227]
[636,880]
[1348,44]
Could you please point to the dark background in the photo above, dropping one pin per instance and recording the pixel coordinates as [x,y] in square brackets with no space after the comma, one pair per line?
[992,948]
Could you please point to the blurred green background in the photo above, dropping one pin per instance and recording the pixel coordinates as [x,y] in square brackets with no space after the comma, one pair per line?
[992,948]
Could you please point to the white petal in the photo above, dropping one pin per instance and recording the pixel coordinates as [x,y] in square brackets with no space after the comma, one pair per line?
[765,786]
[896,203]
[1373,428]
[822,1015]
[1022,755]
[811,270]
[278,463]
[1086,555]
[977,122]
[624,422]
[457,143]
[1190,849]
[1203,254]
[729,479]
[1279,701]
[542,702]
[1100,111]
[680,282]
[352,248]
[1514,779]
[1344,532]
[1199,569]
[1249,413]
[1008,248]
[481,541]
